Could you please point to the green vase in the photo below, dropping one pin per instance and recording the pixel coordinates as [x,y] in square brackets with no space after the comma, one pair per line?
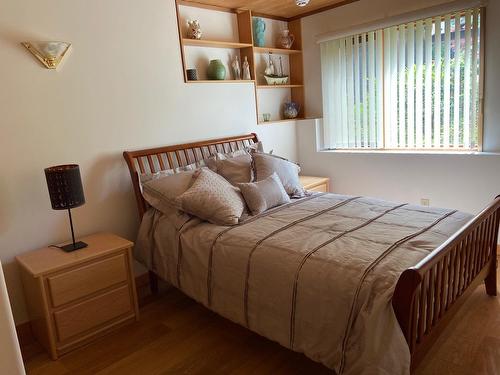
[216,70]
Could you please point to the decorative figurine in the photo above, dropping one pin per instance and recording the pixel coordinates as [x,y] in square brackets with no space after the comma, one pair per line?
[194,29]
[236,67]
[246,70]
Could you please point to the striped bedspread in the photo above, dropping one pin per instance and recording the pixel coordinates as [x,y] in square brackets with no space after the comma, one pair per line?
[316,275]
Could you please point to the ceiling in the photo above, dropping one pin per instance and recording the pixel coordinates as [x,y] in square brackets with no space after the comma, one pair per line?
[278,8]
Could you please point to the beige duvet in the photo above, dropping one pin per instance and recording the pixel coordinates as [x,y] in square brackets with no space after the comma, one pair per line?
[316,275]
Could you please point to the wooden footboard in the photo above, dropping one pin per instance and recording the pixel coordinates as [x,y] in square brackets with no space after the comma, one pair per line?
[428,294]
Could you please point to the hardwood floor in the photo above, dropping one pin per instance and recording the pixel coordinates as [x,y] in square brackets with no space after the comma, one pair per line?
[178,336]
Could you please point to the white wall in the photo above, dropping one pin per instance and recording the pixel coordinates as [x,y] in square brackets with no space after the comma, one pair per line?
[466,182]
[121,87]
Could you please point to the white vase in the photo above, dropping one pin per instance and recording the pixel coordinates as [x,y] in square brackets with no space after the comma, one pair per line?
[286,39]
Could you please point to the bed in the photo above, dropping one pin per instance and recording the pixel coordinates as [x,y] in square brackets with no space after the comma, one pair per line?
[398,274]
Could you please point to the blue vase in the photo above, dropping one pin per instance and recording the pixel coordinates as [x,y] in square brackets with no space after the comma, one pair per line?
[259,28]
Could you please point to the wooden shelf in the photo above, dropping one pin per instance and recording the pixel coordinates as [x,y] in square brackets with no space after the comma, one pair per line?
[280,121]
[278,51]
[213,43]
[222,81]
[242,43]
[279,86]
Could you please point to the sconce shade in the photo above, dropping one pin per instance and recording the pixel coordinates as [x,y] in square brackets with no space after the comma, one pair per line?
[65,186]
[50,54]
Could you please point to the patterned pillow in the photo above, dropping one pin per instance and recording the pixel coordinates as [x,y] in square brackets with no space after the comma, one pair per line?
[265,165]
[263,195]
[213,199]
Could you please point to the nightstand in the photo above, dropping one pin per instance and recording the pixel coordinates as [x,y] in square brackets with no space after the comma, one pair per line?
[310,183]
[75,297]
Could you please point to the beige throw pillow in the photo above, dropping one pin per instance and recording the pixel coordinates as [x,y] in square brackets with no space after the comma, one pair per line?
[213,199]
[288,172]
[263,195]
[236,170]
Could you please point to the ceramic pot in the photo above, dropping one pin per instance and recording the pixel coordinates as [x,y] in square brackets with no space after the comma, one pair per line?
[291,110]
[192,75]
[286,39]
[259,28]
[216,70]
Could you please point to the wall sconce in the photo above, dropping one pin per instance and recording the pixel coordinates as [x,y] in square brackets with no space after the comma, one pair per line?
[50,54]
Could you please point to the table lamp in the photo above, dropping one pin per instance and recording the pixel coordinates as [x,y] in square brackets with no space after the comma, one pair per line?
[66,192]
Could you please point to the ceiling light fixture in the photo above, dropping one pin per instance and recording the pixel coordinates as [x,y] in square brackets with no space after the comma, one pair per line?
[301,3]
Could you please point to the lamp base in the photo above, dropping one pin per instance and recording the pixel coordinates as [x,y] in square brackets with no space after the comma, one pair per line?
[72,247]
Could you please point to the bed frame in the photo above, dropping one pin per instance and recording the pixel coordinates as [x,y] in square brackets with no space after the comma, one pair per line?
[427,295]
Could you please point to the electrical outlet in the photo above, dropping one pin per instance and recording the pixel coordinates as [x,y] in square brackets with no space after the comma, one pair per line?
[425,202]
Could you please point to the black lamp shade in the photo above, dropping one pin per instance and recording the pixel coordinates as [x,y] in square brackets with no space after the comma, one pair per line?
[65,186]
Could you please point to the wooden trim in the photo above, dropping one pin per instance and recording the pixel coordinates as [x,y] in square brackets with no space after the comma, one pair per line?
[482,81]
[270,16]
[132,156]
[205,6]
[277,51]
[181,44]
[322,9]
[214,43]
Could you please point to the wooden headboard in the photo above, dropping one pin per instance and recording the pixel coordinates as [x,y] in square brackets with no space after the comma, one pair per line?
[169,157]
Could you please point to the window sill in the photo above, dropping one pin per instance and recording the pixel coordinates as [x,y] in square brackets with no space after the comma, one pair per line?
[410,152]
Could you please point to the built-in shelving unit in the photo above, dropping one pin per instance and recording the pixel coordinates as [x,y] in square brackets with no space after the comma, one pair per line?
[226,81]
[278,51]
[265,87]
[262,122]
[214,43]
[239,42]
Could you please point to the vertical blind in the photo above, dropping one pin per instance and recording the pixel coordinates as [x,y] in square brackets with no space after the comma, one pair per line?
[410,86]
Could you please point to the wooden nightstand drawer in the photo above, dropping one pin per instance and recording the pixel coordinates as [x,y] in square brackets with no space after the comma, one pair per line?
[83,281]
[92,313]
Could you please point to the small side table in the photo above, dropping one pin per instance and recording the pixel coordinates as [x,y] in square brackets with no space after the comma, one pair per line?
[320,184]
[73,298]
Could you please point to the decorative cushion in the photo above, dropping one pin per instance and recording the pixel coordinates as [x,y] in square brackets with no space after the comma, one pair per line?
[263,195]
[265,165]
[162,192]
[236,170]
[212,198]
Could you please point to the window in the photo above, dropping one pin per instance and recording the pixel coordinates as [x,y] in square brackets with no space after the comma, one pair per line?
[413,86]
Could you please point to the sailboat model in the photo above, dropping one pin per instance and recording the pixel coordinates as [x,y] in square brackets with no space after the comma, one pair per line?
[270,74]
